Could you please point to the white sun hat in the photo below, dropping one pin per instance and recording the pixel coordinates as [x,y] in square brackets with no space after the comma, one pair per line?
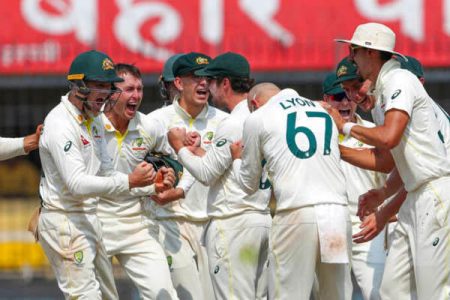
[373,36]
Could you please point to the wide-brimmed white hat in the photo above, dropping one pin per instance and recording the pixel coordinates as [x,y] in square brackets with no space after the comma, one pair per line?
[373,36]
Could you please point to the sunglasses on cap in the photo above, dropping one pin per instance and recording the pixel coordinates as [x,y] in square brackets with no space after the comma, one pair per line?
[337,97]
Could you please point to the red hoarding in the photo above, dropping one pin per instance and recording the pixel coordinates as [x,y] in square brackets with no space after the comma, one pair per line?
[43,36]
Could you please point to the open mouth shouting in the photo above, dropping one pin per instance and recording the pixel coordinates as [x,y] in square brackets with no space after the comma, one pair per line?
[202,93]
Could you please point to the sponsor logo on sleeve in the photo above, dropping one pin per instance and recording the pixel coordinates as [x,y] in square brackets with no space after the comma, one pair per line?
[395,94]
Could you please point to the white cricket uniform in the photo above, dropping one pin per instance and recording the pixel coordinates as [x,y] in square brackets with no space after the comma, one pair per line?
[424,166]
[182,222]
[311,228]
[77,169]
[128,233]
[11,147]
[368,258]
[237,237]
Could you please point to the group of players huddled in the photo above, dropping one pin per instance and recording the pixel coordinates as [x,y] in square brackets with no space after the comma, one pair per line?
[180,197]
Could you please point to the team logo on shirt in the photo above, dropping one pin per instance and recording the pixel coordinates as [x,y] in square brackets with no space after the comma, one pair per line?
[78,257]
[207,137]
[221,142]
[395,94]
[67,146]
[137,144]
[95,131]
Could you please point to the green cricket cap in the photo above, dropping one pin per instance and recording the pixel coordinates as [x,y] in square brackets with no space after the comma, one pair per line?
[412,65]
[346,70]
[329,87]
[189,63]
[93,66]
[227,64]
[167,74]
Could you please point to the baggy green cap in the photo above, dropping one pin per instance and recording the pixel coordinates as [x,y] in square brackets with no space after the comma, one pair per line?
[93,66]
[188,63]
[227,64]
[346,70]
[329,87]
[412,65]
[167,74]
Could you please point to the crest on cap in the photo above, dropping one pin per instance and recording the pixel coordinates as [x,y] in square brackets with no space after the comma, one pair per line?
[201,60]
[107,64]
[341,71]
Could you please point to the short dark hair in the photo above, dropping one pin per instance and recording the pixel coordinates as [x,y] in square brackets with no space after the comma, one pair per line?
[122,68]
[385,56]
[238,84]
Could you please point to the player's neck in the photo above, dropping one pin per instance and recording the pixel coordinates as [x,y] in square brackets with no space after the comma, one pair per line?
[234,100]
[120,124]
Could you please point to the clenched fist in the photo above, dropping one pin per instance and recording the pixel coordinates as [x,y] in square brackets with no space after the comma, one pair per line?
[142,175]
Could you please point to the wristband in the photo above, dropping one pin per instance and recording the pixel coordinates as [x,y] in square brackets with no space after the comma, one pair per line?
[348,127]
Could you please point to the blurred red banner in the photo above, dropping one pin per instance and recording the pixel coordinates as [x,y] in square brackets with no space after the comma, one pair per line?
[43,36]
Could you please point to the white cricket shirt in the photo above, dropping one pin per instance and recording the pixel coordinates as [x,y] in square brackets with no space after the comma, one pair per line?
[76,168]
[421,155]
[226,198]
[299,141]
[193,206]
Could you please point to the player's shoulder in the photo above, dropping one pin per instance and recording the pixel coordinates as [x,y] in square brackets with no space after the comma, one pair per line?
[150,122]
[399,77]
[59,117]
[217,114]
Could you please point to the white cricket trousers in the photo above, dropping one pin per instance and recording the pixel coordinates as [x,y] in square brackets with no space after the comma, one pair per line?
[135,243]
[187,258]
[295,259]
[419,257]
[237,250]
[73,245]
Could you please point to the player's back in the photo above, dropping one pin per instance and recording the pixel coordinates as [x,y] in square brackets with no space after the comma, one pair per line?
[299,140]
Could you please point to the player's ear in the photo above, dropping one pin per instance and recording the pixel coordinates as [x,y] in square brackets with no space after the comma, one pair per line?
[178,83]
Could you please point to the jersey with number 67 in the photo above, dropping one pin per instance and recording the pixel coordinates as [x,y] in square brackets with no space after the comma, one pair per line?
[299,141]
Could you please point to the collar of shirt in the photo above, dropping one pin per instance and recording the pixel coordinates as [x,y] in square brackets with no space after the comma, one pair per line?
[132,126]
[241,107]
[73,110]
[185,115]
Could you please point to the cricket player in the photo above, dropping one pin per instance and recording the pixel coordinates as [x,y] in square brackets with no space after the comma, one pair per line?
[311,226]
[76,169]
[12,147]
[128,233]
[408,128]
[167,88]
[183,220]
[237,236]
[367,259]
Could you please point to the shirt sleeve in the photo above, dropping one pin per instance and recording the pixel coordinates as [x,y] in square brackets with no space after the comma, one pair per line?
[65,148]
[399,92]
[216,160]
[251,168]
[11,147]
